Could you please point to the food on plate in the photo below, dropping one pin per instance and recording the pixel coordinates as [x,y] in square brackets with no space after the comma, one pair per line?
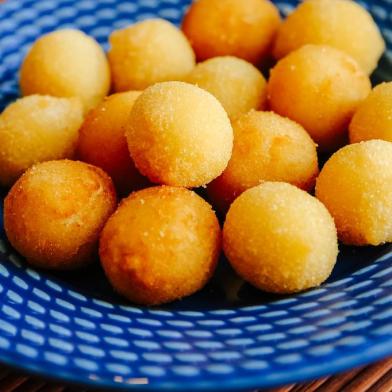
[35,129]
[373,118]
[181,125]
[54,213]
[179,134]
[245,29]
[267,147]
[149,52]
[356,187]
[238,85]
[320,88]
[161,244]
[343,24]
[280,239]
[102,141]
[66,63]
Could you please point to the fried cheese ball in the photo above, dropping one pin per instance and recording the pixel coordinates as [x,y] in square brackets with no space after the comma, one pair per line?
[54,213]
[179,134]
[356,187]
[373,118]
[237,84]
[66,63]
[280,239]
[320,88]
[34,129]
[267,147]
[245,29]
[149,52]
[342,24]
[162,244]
[102,141]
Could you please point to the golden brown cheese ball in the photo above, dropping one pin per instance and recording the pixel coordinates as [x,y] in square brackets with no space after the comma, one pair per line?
[343,24]
[36,129]
[267,147]
[179,134]
[245,29]
[356,187]
[102,141]
[149,52]
[161,244]
[320,88]
[280,239]
[237,84]
[373,118]
[66,63]
[54,213]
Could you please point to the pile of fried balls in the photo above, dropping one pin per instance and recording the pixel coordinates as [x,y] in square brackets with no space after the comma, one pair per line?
[191,108]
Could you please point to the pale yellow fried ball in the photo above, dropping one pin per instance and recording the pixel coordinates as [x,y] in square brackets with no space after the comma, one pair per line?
[54,213]
[149,52]
[343,24]
[373,118]
[267,147]
[161,244]
[245,29]
[102,141]
[66,63]
[280,239]
[238,85]
[179,134]
[356,187]
[35,129]
[320,88]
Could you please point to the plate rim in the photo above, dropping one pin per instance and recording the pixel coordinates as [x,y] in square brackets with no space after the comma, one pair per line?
[241,383]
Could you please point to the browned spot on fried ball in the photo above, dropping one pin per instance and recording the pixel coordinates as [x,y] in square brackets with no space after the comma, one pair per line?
[320,88]
[267,147]
[161,244]
[102,141]
[245,29]
[373,118]
[54,213]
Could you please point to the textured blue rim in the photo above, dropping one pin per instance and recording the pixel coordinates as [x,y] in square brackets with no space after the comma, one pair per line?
[343,324]
[355,359]
[371,349]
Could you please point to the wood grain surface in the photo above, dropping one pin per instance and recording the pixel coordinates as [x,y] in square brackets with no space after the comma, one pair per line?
[374,378]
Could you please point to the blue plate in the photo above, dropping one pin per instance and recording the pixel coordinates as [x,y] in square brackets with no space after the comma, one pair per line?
[229,336]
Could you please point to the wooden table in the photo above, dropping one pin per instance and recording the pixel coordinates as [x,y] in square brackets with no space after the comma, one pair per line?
[375,378]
